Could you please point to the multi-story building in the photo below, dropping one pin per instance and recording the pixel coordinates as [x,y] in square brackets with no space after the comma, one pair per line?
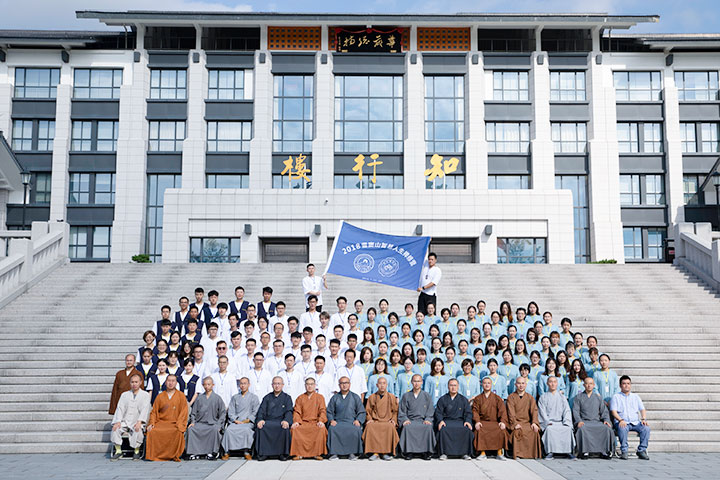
[246,137]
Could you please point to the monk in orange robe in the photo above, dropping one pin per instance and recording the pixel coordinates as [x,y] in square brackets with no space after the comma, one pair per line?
[309,435]
[122,381]
[167,424]
[490,417]
[380,435]
[523,422]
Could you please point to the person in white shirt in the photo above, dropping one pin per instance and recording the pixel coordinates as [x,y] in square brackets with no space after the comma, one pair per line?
[202,369]
[213,306]
[429,280]
[260,378]
[236,349]
[308,338]
[265,347]
[234,322]
[221,318]
[334,361]
[321,348]
[210,341]
[221,349]
[293,325]
[313,285]
[305,364]
[352,327]
[280,315]
[280,333]
[325,327]
[339,335]
[276,362]
[294,381]
[355,373]
[295,342]
[248,328]
[341,317]
[324,381]
[224,382]
[311,318]
[247,361]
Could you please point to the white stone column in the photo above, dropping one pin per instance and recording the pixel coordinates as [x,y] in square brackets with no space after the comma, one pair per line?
[261,145]
[323,145]
[414,110]
[128,233]
[476,149]
[541,145]
[61,146]
[606,235]
[194,146]
[674,195]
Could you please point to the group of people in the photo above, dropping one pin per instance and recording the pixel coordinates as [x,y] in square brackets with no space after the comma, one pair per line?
[369,382]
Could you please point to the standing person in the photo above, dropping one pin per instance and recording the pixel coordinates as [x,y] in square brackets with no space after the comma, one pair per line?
[415,416]
[167,424]
[593,432]
[453,423]
[131,415]
[207,418]
[556,421]
[606,379]
[313,285]
[272,432]
[122,381]
[309,435]
[629,414]
[380,436]
[523,422]
[267,307]
[429,280]
[224,382]
[241,421]
[490,417]
[346,415]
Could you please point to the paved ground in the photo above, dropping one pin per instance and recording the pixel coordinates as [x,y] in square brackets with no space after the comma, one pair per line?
[93,466]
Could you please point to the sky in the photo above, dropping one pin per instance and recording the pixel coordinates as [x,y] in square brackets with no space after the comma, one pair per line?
[689,16]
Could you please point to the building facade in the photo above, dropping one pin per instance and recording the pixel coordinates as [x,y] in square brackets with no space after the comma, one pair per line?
[224,137]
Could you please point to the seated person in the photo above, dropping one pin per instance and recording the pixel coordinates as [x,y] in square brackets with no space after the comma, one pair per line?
[207,418]
[131,415]
[629,414]
[167,424]
[346,415]
[415,416]
[452,423]
[380,435]
[309,435]
[490,417]
[556,421]
[523,422]
[241,421]
[593,432]
[272,432]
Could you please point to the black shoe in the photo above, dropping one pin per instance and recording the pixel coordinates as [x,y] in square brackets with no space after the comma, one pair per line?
[137,456]
[642,455]
[261,458]
[623,456]
[212,456]
[407,456]
[284,458]
[387,457]
[116,456]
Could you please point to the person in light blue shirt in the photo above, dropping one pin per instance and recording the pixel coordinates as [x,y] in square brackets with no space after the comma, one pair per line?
[545,352]
[576,380]
[454,313]
[463,351]
[421,324]
[368,340]
[444,323]
[591,343]
[383,314]
[520,353]
[409,316]
[508,370]
[606,379]
[579,347]
[571,352]
[479,370]
[506,314]
[404,378]
[436,382]
[452,368]
[432,317]
[491,351]
[371,320]
[533,313]
[550,370]
[395,366]
[366,362]
[521,322]
[531,387]
[393,324]
[381,371]
[421,366]
[472,320]
[565,334]
[531,341]
[436,350]
[487,334]
[362,317]
[497,328]
[548,325]
[629,414]
[469,383]
[512,336]
[555,342]
[461,331]
[482,316]
[499,383]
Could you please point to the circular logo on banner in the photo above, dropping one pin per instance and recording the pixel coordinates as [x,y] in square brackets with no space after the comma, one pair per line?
[388,267]
[363,263]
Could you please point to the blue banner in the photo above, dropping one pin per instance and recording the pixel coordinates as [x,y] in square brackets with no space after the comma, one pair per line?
[376,257]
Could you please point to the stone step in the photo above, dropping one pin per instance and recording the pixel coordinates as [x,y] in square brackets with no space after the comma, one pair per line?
[57,447]
[54,426]
[54,406]
[57,388]
[51,437]
[55,397]
[49,416]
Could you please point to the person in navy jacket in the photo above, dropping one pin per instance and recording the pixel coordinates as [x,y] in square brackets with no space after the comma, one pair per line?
[239,305]
[266,308]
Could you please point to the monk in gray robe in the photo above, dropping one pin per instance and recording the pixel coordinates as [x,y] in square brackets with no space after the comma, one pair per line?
[594,433]
[241,421]
[556,421]
[346,416]
[206,420]
[415,416]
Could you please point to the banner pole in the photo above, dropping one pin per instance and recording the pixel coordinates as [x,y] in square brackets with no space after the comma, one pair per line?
[332,251]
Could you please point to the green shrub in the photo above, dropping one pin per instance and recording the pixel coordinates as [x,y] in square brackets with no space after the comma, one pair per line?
[606,260]
[142,258]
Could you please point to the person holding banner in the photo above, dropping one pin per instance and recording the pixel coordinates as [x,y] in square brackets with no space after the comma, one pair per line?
[428,283]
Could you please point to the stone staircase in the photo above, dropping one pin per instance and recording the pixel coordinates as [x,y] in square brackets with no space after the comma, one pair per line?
[64,340]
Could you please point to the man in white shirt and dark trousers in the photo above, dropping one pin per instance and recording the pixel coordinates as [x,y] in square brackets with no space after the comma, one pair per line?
[428,283]
[313,285]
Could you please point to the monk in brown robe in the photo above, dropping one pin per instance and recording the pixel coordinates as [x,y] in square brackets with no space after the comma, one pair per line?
[490,418]
[167,424]
[523,422]
[309,435]
[122,382]
[380,435]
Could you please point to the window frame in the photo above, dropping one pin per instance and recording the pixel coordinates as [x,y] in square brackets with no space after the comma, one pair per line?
[305,121]
[158,91]
[506,258]
[575,145]
[711,93]
[116,79]
[238,93]
[91,188]
[655,91]
[215,144]
[523,144]
[20,83]
[578,94]
[503,94]
[154,144]
[432,99]
[231,256]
